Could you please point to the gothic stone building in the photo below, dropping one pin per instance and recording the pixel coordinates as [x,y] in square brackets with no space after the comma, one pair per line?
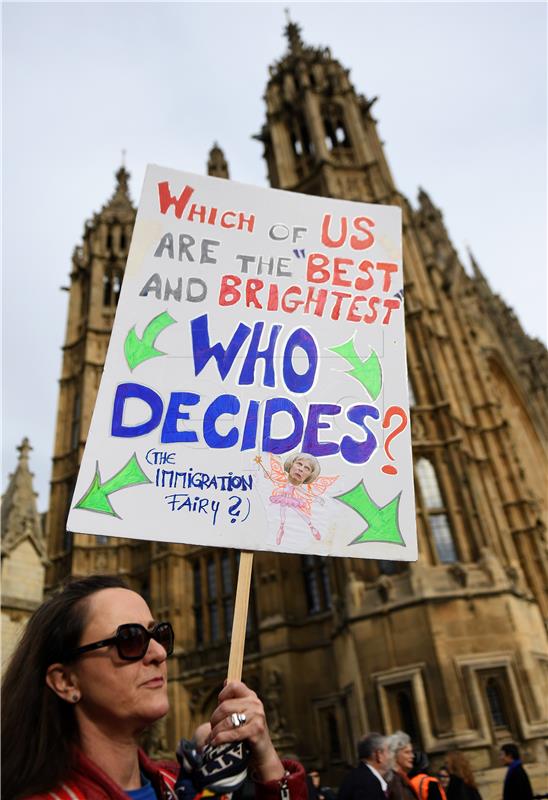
[452,648]
[23,552]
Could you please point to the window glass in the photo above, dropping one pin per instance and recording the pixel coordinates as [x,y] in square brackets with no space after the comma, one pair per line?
[428,483]
[443,538]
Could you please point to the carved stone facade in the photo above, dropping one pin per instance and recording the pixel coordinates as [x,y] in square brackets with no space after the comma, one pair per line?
[453,648]
[23,553]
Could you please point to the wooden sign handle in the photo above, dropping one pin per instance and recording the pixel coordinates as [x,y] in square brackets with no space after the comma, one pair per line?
[239,622]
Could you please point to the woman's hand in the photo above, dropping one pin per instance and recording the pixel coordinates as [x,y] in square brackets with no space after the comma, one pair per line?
[237,698]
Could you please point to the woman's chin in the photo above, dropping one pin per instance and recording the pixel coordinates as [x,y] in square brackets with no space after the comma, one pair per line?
[155,711]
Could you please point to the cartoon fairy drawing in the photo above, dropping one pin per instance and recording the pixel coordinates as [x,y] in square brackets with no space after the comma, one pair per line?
[297,486]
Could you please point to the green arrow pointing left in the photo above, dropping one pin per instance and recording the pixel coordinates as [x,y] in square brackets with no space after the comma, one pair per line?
[382,521]
[96,497]
[139,350]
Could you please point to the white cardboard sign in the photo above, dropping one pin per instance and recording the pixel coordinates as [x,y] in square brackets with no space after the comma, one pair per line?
[255,387]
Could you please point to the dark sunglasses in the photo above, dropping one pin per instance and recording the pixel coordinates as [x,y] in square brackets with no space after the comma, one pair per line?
[132,641]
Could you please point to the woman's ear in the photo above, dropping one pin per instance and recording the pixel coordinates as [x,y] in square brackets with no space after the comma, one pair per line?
[62,680]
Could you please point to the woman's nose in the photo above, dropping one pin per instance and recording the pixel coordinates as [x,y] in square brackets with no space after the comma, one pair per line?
[155,651]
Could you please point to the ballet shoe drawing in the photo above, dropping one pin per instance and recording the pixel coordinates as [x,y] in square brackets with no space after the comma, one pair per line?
[315,532]
[279,537]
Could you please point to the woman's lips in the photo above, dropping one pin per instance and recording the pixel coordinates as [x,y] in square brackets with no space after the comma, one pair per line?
[154,683]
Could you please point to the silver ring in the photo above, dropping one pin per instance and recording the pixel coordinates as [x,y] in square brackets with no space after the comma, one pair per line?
[236,721]
[242,718]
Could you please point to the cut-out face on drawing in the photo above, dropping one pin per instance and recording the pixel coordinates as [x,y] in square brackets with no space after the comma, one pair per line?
[300,470]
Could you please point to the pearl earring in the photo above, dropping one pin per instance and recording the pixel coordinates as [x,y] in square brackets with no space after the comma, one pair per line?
[75,698]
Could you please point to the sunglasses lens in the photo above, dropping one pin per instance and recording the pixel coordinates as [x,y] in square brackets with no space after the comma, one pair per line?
[164,636]
[132,641]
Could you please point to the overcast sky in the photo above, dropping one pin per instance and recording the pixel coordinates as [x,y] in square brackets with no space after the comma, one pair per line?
[461,109]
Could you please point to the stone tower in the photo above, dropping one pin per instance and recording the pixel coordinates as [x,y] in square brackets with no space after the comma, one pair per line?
[444,648]
[23,552]
[95,281]
[452,648]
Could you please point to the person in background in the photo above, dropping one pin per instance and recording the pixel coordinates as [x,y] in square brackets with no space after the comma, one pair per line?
[367,780]
[444,778]
[426,787]
[399,786]
[315,790]
[87,678]
[462,784]
[516,782]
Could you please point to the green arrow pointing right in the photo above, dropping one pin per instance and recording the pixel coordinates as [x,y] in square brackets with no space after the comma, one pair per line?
[367,372]
[382,521]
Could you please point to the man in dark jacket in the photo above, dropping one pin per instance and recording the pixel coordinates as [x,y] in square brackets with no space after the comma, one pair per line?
[516,782]
[366,781]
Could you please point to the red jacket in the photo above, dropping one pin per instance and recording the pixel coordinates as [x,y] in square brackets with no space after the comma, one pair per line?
[88,782]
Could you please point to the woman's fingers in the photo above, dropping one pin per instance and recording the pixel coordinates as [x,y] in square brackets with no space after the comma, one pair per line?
[237,699]
[235,689]
[253,730]
[238,718]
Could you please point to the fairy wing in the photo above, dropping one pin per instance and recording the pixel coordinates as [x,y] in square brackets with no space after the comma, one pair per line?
[311,490]
[322,484]
[277,472]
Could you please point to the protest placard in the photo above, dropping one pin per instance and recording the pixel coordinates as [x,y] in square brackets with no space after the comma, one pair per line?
[255,388]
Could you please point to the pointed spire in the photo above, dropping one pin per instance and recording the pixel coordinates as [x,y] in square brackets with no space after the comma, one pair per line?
[293,33]
[122,178]
[475,266]
[24,450]
[120,199]
[424,200]
[217,165]
[20,517]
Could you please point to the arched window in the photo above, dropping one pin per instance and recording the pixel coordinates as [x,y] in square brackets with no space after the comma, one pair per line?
[112,283]
[316,584]
[297,146]
[214,579]
[496,703]
[389,567]
[68,536]
[435,512]
[411,392]
[75,424]
[333,733]
[198,612]
[228,586]
[336,134]
[214,628]
[300,138]
[84,295]
[407,713]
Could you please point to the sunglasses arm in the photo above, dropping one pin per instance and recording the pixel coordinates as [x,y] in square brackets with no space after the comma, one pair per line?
[87,648]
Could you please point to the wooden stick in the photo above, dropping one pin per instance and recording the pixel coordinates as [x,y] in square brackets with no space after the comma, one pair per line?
[239,622]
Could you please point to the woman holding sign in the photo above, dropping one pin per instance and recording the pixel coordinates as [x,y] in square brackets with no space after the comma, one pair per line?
[88,677]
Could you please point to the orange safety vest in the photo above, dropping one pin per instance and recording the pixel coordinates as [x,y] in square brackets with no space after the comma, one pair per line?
[420,784]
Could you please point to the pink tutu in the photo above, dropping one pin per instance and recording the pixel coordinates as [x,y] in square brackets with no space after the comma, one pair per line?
[287,500]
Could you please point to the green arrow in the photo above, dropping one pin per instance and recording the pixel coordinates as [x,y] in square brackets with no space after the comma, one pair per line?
[368,372]
[139,350]
[382,521]
[96,497]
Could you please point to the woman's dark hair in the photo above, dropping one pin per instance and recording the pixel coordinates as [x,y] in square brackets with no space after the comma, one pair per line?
[38,728]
